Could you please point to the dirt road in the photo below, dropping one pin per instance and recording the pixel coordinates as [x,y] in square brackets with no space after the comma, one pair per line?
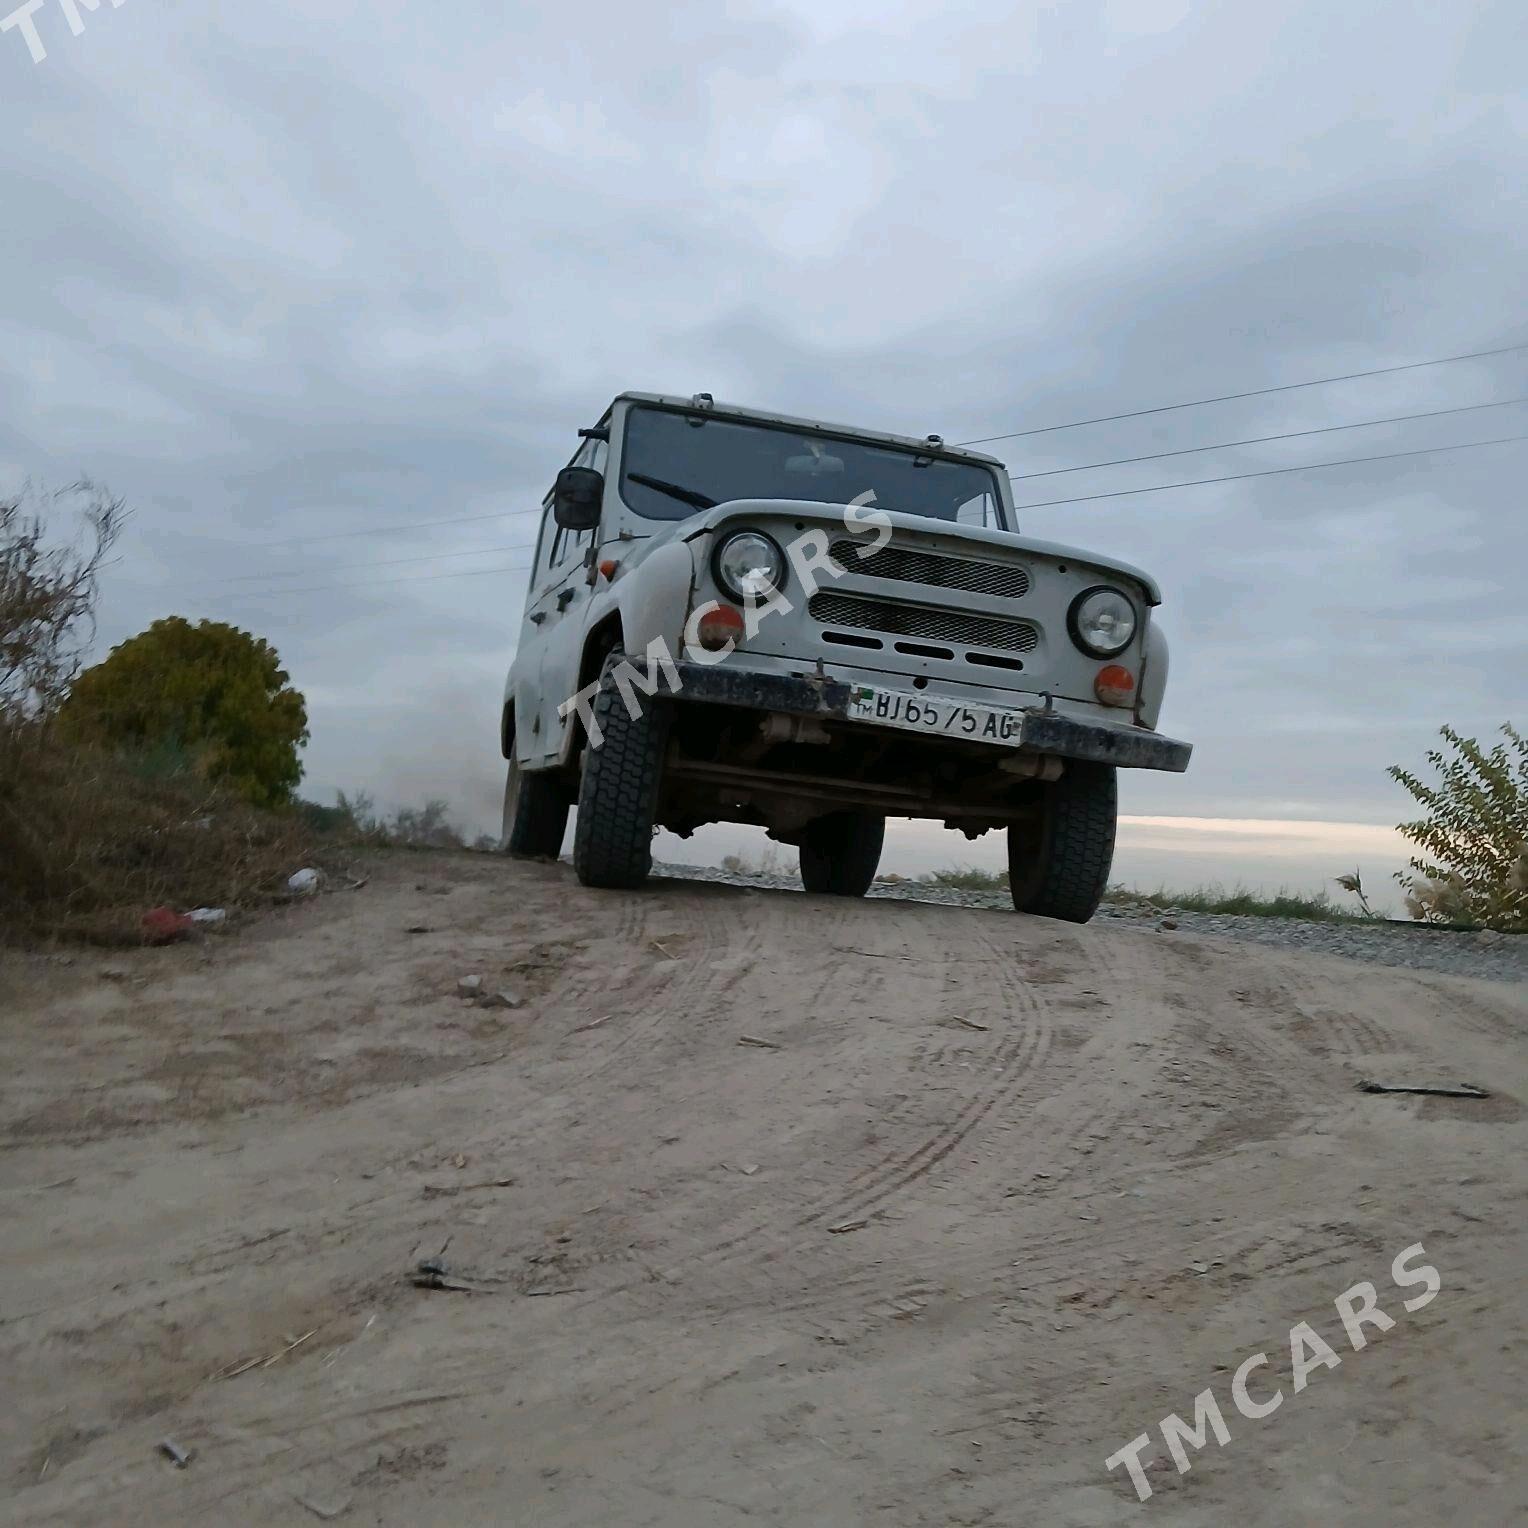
[993,1196]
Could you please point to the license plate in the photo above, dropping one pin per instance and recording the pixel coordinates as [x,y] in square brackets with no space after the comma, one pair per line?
[948,718]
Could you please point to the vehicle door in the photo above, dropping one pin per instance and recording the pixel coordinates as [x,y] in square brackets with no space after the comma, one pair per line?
[560,610]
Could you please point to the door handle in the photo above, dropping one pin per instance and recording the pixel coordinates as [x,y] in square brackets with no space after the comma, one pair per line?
[566,597]
[536,617]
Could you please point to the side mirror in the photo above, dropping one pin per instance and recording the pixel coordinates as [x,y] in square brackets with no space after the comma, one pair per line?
[576,498]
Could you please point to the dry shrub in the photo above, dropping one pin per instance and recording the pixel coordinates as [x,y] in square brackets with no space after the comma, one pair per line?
[354,819]
[90,841]
[48,590]
[1473,861]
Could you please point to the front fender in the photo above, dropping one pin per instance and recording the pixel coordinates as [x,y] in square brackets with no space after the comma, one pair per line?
[1153,677]
[650,599]
[653,598]
[516,701]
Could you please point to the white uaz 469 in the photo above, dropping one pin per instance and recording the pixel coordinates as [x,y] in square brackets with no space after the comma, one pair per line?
[735,616]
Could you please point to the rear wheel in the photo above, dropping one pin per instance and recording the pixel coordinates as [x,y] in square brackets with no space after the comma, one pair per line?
[535,812]
[618,796]
[841,853]
[1059,859]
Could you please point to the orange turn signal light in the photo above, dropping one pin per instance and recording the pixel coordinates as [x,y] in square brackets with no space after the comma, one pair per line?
[1115,685]
[719,626]
[608,568]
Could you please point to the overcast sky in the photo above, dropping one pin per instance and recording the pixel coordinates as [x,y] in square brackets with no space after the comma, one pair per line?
[275,271]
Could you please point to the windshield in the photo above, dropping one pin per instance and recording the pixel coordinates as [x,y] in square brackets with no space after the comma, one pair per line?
[674,465]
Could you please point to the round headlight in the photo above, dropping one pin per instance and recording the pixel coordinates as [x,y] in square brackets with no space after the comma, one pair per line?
[1102,622]
[749,566]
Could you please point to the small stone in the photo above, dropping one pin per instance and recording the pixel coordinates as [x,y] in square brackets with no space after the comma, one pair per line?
[469,986]
[503,998]
[1168,923]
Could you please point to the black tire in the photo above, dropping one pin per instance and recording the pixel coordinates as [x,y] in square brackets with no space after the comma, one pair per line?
[618,796]
[535,813]
[1058,861]
[841,853]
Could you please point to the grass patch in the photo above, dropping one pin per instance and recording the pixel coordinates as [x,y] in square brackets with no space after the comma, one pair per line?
[1312,907]
[966,878]
[90,841]
[768,863]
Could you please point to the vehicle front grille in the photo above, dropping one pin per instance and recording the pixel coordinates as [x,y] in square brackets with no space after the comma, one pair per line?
[864,613]
[905,566]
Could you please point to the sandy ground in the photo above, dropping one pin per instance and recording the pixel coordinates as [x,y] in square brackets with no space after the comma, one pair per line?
[898,1269]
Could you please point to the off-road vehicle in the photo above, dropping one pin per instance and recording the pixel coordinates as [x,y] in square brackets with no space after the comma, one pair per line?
[736,616]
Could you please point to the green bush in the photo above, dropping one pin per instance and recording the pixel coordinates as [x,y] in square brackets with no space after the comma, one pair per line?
[1473,840]
[209,692]
[96,829]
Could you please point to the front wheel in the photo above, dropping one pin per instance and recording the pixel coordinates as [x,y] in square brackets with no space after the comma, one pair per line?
[535,813]
[1059,858]
[840,853]
[618,796]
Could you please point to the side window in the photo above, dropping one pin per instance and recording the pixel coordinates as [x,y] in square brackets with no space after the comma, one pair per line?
[546,543]
[562,543]
[593,453]
[560,549]
[982,510]
[544,540]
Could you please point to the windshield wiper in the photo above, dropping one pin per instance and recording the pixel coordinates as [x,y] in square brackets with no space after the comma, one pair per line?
[674,491]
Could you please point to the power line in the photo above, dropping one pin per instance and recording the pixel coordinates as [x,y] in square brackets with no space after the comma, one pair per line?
[1075,424]
[387,530]
[1236,477]
[1122,493]
[387,562]
[377,583]
[1256,392]
[1259,440]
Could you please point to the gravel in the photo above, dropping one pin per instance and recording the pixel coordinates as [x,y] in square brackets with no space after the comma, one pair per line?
[1492,957]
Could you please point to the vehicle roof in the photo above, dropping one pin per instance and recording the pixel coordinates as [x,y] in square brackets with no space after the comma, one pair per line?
[742,411]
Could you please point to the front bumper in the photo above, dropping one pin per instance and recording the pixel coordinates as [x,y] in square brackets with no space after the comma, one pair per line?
[1046,732]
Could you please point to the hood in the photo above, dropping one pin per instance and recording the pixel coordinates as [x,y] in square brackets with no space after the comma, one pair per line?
[913,526]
